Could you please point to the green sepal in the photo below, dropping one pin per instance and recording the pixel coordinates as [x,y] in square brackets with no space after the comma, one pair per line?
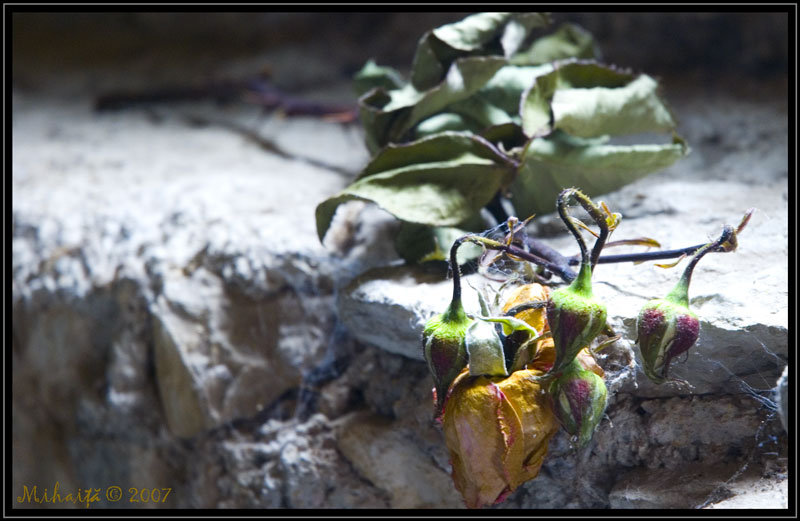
[485,350]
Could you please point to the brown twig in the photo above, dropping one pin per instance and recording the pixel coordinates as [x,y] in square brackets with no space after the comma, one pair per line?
[257,90]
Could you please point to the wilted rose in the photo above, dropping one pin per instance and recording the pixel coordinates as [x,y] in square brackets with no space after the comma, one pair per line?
[497,430]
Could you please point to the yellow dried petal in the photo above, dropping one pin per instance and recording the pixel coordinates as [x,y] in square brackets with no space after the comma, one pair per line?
[588,362]
[545,356]
[497,430]
[539,423]
[524,294]
[480,428]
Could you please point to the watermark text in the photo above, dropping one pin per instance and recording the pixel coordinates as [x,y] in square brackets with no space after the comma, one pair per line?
[85,497]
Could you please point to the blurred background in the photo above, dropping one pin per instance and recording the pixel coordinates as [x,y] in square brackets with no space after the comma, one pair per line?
[154,47]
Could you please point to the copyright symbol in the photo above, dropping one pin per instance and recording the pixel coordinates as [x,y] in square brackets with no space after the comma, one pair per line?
[113,493]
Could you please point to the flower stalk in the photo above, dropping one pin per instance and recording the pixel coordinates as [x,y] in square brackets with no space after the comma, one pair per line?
[666,327]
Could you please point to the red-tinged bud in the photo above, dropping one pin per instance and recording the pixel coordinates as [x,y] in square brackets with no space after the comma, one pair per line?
[444,338]
[579,398]
[444,348]
[575,317]
[666,327]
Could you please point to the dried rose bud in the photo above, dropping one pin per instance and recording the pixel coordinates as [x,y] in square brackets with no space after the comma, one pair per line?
[666,327]
[444,348]
[497,430]
[575,317]
[579,398]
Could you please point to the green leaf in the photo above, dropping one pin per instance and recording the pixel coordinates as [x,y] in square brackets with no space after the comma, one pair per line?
[417,243]
[376,122]
[439,181]
[372,75]
[444,122]
[480,111]
[438,48]
[446,146]
[505,88]
[473,114]
[536,111]
[517,29]
[560,160]
[465,77]
[431,61]
[473,32]
[574,74]
[511,324]
[569,41]
[509,135]
[582,100]
[482,34]
[631,109]
[485,350]
[387,116]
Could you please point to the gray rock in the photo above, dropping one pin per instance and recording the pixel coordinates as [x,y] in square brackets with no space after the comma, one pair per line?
[392,462]
[126,278]
[216,357]
[754,492]
[644,445]
[388,307]
[682,488]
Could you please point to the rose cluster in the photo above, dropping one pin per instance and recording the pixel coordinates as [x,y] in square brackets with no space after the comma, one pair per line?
[497,424]
[507,379]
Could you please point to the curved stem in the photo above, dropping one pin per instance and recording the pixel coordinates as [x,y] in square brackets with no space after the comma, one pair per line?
[559,268]
[538,304]
[563,200]
[599,243]
[727,233]
[455,268]
[600,219]
[642,256]
[681,290]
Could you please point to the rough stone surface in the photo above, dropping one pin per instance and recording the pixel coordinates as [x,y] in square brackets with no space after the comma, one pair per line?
[176,322]
[770,491]
[393,463]
[698,485]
